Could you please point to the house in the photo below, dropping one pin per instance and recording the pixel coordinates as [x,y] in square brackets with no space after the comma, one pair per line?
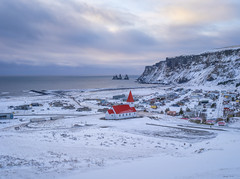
[161,97]
[213,95]
[153,106]
[222,123]
[122,111]
[179,90]
[103,103]
[196,120]
[190,114]
[22,107]
[204,101]
[237,114]
[6,115]
[198,91]
[211,121]
[175,105]
[153,101]
[228,107]
[69,107]
[119,96]
[230,96]
[171,113]
[36,104]
[84,109]
[172,96]
[56,104]
[196,96]
[38,120]
[104,110]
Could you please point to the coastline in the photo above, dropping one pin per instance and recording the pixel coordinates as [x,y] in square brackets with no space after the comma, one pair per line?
[22,85]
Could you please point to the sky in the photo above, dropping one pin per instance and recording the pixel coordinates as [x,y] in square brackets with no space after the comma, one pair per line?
[107,37]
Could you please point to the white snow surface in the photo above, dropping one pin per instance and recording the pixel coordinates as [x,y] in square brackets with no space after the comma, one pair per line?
[82,145]
[210,68]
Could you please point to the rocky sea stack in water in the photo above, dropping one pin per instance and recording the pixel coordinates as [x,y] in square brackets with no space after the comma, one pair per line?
[217,67]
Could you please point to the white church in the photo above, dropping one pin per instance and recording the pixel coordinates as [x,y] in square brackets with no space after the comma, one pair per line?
[122,111]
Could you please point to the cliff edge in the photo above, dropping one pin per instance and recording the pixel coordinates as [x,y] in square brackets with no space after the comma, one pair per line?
[216,67]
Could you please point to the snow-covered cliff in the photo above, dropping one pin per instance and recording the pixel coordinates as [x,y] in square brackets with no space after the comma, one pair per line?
[216,67]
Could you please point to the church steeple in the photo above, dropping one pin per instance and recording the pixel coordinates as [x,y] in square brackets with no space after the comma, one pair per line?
[130,99]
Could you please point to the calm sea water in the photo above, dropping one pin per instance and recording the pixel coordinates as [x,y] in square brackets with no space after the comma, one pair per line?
[14,85]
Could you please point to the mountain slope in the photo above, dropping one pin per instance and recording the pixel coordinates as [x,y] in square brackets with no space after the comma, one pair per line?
[217,67]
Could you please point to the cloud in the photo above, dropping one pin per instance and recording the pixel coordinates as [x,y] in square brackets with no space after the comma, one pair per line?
[55,70]
[112,33]
[199,12]
[19,20]
[69,38]
[187,26]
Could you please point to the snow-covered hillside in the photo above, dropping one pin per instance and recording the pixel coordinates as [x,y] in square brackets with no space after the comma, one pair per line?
[57,140]
[215,67]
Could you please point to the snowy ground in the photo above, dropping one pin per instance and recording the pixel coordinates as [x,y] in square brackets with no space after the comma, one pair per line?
[81,145]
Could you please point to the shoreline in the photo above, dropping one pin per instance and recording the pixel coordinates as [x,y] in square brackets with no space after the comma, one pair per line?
[59,91]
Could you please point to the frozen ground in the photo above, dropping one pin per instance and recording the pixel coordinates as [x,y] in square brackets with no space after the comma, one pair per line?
[81,145]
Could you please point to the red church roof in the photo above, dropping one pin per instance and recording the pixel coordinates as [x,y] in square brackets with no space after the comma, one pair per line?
[110,111]
[123,109]
[130,97]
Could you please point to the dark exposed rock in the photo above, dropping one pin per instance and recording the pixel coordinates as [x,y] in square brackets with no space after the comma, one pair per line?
[210,78]
[183,80]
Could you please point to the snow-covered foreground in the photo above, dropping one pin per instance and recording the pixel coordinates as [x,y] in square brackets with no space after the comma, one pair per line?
[82,145]
[220,159]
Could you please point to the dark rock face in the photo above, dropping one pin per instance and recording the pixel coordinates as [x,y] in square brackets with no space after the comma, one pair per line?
[183,80]
[213,67]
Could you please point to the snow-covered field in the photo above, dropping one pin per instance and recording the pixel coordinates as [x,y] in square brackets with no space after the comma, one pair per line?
[70,144]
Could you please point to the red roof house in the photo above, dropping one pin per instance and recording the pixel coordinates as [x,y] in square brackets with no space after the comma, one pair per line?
[171,113]
[222,123]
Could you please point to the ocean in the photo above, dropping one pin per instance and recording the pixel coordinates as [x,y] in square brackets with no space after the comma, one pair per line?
[17,85]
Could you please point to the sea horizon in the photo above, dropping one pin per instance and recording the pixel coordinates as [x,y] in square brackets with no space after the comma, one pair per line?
[43,75]
[18,85]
